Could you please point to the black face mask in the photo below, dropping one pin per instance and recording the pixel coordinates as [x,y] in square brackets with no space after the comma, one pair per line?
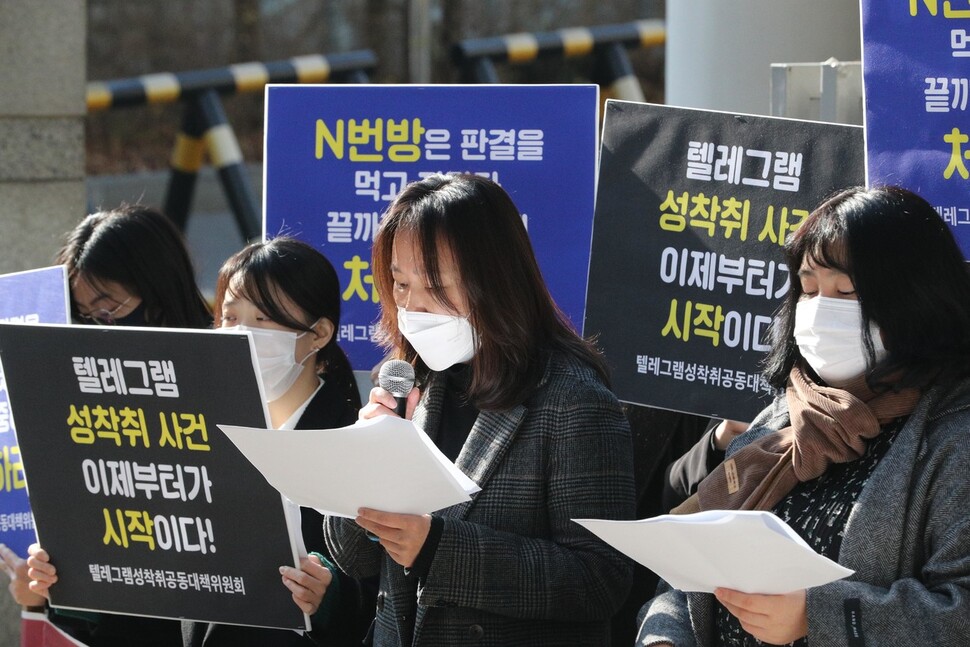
[134,318]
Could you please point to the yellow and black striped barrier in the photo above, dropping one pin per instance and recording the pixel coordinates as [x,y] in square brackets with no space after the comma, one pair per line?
[476,57]
[346,67]
[205,129]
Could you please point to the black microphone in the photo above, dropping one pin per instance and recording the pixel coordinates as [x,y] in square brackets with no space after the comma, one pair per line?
[397,378]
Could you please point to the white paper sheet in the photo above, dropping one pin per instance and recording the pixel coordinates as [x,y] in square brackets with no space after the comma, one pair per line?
[749,551]
[384,463]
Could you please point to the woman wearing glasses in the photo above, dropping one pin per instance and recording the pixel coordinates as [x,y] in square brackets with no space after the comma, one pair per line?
[126,267]
[129,267]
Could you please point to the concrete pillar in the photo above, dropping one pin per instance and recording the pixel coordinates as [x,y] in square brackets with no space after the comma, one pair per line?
[42,79]
[719,53]
[42,108]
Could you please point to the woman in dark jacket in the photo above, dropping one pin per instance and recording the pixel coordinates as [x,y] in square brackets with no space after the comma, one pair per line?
[126,267]
[288,295]
[520,403]
[865,454]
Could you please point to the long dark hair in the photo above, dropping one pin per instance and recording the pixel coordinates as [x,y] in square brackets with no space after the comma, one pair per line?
[509,305]
[286,269]
[139,248]
[909,276]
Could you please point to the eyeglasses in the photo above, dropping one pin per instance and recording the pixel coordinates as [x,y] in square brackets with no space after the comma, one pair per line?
[103,316]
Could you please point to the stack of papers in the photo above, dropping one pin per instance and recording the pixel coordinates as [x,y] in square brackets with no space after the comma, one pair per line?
[384,463]
[748,551]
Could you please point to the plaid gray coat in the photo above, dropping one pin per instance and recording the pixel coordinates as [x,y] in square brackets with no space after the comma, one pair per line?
[907,539]
[511,568]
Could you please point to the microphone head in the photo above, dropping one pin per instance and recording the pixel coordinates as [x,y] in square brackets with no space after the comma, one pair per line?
[396,377]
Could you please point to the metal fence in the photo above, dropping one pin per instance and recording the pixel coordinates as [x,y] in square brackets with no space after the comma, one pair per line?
[476,57]
[205,128]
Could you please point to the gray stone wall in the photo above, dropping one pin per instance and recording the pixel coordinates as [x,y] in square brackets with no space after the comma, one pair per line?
[41,128]
[42,111]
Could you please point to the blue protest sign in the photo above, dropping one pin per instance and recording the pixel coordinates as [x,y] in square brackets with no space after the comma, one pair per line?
[916,68]
[36,296]
[336,155]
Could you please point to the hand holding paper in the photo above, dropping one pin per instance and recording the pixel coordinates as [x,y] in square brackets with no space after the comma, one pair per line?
[748,551]
[776,619]
[383,463]
[401,535]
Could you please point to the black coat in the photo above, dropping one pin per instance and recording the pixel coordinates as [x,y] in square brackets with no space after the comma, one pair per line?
[511,567]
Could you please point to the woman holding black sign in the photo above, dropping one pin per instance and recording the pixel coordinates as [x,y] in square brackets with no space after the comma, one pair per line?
[287,295]
[126,267]
[865,455]
[519,401]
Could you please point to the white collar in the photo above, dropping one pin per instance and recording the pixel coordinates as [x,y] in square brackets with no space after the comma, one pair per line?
[292,421]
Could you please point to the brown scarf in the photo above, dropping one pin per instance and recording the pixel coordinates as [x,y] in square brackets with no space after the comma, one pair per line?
[828,425]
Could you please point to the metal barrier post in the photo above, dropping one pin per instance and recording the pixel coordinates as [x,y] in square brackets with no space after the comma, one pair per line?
[479,70]
[354,76]
[205,127]
[243,77]
[188,155]
[476,57]
[224,152]
[613,69]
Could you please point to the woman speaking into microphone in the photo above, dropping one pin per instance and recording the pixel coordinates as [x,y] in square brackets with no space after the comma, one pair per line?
[509,391]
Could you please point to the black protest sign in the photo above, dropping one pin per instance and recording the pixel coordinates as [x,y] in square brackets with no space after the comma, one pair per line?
[686,268]
[143,504]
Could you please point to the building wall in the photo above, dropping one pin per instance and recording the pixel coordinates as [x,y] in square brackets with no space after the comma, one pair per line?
[42,190]
[41,128]
[713,67]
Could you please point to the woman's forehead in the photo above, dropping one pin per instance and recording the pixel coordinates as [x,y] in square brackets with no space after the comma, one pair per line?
[92,285]
[236,287]
[825,253]
[407,254]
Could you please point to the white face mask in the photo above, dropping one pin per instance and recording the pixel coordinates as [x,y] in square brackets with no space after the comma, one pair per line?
[441,340]
[275,357]
[829,336]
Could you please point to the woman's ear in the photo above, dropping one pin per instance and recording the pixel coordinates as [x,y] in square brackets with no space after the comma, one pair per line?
[323,332]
